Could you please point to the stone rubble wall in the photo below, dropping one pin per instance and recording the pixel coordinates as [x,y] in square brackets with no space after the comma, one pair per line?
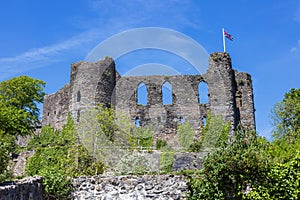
[25,189]
[163,187]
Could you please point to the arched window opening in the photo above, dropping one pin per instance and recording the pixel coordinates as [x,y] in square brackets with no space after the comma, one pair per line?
[167,97]
[137,122]
[181,120]
[78,96]
[203,93]
[204,121]
[142,94]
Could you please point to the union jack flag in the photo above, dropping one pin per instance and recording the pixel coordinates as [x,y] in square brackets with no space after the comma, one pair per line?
[228,35]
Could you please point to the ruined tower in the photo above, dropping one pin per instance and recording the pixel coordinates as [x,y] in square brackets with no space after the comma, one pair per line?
[229,95]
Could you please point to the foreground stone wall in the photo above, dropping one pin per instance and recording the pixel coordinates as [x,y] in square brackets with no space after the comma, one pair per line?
[26,189]
[164,187]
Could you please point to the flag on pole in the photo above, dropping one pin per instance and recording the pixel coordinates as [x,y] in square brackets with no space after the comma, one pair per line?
[228,35]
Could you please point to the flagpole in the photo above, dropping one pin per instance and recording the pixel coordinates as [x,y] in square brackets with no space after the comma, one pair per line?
[224,46]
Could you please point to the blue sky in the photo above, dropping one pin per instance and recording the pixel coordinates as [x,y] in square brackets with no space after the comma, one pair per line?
[42,38]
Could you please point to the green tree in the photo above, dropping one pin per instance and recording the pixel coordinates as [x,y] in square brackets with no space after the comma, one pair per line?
[19,99]
[283,177]
[229,171]
[19,114]
[282,181]
[286,116]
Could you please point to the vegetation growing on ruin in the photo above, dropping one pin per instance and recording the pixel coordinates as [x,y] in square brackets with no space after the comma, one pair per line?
[213,135]
[19,115]
[252,168]
[58,156]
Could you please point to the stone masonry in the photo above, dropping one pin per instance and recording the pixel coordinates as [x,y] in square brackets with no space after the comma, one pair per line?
[230,95]
[164,187]
[29,188]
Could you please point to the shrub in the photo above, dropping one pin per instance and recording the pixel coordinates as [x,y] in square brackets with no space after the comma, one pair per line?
[160,144]
[185,135]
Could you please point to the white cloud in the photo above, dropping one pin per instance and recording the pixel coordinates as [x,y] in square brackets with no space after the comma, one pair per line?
[112,17]
[39,57]
[296,48]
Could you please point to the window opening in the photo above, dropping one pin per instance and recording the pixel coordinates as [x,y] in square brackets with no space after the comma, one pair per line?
[204,121]
[203,93]
[137,122]
[78,96]
[167,97]
[142,94]
[181,120]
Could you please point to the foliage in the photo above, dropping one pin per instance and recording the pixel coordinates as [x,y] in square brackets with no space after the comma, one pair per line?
[283,176]
[18,115]
[160,144]
[185,135]
[141,137]
[6,146]
[166,159]
[133,163]
[50,137]
[281,182]
[19,97]
[252,168]
[56,183]
[94,130]
[214,135]
[228,171]
[286,116]
[59,156]
[106,121]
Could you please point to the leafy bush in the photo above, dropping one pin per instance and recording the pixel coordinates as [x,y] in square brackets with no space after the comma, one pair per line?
[214,135]
[230,170]
[6,146]
[56,183]
[160,144]
[133,163]
[166,159]
[141,137]
[281,182]
[185,135]
[58,157]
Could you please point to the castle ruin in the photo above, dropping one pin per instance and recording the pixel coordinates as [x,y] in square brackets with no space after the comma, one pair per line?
[230,95]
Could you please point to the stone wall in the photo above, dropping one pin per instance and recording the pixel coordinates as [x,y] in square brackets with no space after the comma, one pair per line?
[29,188]
[163,118]
[56,107]
[91,84]
[164,187]
[244,100]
